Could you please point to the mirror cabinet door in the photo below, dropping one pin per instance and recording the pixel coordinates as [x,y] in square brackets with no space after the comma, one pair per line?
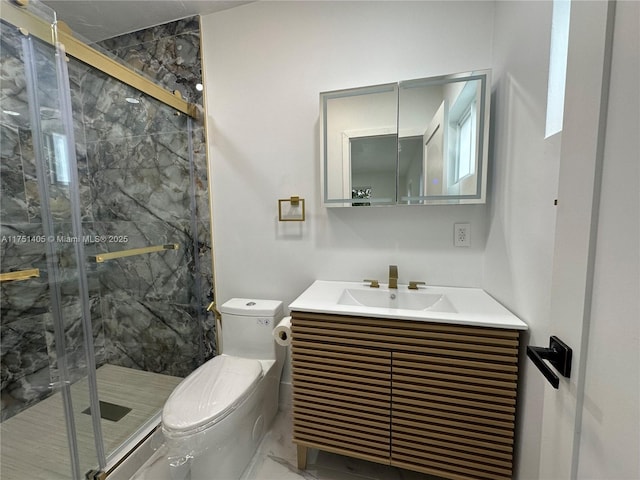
[442,140]
[360,146]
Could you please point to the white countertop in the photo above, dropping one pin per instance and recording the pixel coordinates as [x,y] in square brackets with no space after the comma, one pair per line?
[458,305]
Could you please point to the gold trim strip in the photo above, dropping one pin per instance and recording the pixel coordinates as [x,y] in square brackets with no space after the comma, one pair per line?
[81,51]
[103,257]
[21,275]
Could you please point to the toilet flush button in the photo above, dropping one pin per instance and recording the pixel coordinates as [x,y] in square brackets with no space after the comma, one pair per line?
[251,304]
[264,321]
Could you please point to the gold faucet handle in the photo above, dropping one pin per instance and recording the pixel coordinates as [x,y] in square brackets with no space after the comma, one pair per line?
[373,283]
[414,285]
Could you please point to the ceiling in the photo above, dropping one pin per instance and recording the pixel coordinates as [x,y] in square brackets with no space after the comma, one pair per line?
[96,20]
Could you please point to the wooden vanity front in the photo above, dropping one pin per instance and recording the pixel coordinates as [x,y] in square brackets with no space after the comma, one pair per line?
[430,397]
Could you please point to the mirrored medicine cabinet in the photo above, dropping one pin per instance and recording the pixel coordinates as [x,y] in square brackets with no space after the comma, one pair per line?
[415,142]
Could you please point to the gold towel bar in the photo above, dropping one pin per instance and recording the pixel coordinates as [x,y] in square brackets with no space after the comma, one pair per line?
[103,257]
[21,275]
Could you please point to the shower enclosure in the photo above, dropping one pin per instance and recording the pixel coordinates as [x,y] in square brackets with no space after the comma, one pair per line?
[104,257]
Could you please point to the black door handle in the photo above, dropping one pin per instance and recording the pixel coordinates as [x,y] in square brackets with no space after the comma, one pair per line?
[558,354]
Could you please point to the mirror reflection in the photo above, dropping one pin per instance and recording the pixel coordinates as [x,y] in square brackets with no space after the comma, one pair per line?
[55,151]
[442,135]
[360,140]
[418,142]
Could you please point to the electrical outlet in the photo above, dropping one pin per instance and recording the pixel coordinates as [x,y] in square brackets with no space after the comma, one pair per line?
[461,235]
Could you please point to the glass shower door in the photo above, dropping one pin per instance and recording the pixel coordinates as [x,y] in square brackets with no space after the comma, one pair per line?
[52,430]
[143,265]
[100,194]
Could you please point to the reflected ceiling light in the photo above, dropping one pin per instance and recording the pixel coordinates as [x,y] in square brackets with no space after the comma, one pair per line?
[199,87]
[132,100]
[11,112]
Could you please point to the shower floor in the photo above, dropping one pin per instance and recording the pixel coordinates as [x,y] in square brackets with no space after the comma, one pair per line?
[34,443]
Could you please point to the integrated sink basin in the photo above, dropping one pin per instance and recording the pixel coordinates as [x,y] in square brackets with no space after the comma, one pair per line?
[391,298]
[458,305]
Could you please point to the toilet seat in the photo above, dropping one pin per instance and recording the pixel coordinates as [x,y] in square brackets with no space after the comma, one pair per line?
[210,393]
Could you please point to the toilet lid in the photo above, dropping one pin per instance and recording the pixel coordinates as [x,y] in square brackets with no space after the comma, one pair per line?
[210,392]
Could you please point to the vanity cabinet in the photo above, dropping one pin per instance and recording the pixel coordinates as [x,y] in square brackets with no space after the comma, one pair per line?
[430,397]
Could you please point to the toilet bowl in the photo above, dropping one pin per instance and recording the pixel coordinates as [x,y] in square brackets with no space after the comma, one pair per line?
[215,418]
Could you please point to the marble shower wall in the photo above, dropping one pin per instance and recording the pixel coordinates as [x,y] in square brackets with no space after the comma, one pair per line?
[169,55]
[135,184]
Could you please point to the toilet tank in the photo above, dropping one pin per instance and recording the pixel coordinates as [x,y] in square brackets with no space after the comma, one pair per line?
[247,326]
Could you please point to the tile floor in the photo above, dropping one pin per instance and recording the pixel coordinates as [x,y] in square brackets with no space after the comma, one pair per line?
[23,438]
[275,459]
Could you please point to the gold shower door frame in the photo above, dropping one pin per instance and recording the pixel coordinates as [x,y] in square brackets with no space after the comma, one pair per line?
[22,18]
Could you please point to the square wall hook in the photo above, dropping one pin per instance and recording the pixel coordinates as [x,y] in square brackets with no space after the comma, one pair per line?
[291,209]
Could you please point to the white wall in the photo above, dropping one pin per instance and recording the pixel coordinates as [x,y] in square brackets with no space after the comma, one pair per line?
[522,189]
[265,64]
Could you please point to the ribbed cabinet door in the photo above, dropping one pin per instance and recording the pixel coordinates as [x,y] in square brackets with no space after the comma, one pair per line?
[341,393]
[453,411]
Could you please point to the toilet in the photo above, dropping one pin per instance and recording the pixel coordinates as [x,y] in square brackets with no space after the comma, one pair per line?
[215,418]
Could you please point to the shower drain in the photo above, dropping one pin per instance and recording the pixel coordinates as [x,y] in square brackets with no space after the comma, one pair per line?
[110,411]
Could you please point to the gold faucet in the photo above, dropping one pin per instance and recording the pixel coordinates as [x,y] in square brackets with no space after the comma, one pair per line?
[393,276]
